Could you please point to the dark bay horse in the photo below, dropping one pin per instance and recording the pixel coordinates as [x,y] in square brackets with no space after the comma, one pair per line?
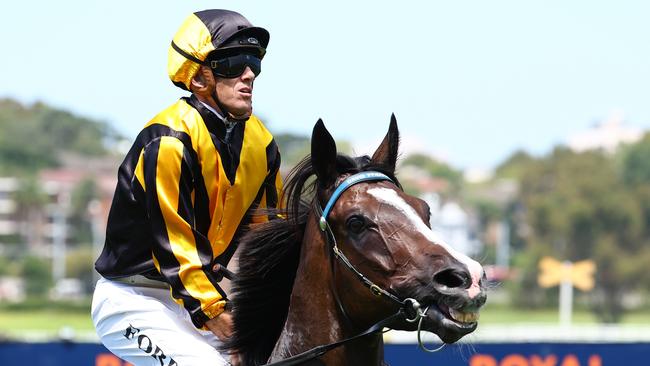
[309,278]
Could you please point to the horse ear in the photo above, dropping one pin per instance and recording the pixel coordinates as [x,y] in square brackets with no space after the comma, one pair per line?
[323,155]
[386,153]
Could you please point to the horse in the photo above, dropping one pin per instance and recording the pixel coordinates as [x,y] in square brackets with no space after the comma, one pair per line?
[310,276]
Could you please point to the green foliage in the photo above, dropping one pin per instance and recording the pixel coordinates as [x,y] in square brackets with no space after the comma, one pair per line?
[80,265]
[37,274]
[436,169]
[488,211]
[82,195]
[578,207]
[523,289]
[29,193]
[515,165]
[636,165]
[33,137]
[410,188]
[294,148]
[29,198]
[5,266]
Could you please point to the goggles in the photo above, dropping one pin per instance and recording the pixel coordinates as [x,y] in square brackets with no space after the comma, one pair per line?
[234,66]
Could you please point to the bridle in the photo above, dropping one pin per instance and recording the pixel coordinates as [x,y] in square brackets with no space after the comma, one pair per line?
[409,308]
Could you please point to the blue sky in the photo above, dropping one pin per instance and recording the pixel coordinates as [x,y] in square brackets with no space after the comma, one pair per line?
[470,81]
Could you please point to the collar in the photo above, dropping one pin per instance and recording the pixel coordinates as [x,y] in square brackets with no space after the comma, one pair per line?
[219,115]
[226,121]
[216,123]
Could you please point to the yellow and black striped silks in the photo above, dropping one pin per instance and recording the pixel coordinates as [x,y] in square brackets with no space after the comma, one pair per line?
[203,32]
[183,195]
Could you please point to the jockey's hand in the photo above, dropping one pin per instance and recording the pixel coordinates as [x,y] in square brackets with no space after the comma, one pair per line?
[221,325]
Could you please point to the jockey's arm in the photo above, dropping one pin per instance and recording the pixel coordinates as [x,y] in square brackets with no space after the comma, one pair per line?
[180,252]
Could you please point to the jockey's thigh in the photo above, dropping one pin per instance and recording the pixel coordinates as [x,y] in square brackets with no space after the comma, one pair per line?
[144,326]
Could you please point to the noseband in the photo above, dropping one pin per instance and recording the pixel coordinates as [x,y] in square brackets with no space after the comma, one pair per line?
[409,308]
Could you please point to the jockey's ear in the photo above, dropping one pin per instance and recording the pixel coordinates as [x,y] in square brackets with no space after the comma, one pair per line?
[386,153]
[323,155]
[203,83]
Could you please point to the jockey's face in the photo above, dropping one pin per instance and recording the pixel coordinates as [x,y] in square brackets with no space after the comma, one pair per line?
[236,94]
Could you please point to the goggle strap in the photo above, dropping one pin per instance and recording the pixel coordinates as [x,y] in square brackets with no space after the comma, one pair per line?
[185,54]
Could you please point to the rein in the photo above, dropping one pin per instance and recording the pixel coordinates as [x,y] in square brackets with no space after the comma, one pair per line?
[410,309]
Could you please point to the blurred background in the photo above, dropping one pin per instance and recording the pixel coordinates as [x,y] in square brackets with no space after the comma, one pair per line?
[524,126]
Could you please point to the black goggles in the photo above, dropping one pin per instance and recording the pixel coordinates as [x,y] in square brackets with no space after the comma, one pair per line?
[234,66]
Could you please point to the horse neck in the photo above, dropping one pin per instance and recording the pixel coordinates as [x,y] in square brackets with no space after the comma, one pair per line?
[314,317]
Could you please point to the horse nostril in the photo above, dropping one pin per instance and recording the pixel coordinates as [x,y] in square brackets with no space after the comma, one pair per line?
[453,278]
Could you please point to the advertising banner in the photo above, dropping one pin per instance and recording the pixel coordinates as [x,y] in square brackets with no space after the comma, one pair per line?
[479,354]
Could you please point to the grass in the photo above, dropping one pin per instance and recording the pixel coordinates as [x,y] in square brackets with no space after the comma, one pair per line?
[506,315]
[44,320]
[16,322]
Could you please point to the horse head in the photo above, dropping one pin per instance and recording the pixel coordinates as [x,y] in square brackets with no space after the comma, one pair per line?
[385,234]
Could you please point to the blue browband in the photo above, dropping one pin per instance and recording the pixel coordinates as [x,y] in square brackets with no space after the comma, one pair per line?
[347,183]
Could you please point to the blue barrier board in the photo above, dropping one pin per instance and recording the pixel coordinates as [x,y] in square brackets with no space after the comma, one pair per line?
[480,354]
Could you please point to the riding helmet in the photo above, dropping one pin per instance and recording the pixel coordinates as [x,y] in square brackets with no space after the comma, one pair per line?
[207,31]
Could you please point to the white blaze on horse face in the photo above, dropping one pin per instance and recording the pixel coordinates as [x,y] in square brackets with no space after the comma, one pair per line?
[390,197]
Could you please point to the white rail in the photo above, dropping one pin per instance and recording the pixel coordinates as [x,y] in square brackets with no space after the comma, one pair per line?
[528,333]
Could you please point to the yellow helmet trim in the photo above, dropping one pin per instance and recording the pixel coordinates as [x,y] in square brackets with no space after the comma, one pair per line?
[195,40]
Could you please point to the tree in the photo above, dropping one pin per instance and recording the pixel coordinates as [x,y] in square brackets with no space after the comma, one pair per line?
[577,207]
[80,265]
[37,275]
[636,165]
[79,219]
[30,201]
[515,166]
[436,169]
[294,148]
[33,137]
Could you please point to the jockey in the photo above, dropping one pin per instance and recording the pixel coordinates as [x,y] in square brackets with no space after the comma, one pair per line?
[186,189]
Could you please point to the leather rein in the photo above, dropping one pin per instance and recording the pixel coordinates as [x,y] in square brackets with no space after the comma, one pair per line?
[409,308]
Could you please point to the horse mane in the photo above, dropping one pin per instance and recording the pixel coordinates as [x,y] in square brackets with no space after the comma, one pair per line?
[268,259]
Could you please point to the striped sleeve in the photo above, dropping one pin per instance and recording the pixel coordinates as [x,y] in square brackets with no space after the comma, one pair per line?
[273,181]
[183,255]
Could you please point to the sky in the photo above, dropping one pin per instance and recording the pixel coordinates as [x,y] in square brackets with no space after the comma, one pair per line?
[470,82]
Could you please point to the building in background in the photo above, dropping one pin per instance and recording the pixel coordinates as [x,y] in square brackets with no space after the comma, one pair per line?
[42,216]
[606,136]
[9,225]
[454,224]
[59,186]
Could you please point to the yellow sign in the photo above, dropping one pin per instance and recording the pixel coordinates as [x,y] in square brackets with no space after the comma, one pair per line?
[553,272]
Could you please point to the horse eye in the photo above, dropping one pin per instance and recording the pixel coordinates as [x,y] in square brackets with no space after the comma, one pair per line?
[356,224]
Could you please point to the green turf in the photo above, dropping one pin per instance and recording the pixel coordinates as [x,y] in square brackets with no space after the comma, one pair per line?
[505,315]
[16,322]
[44,320]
